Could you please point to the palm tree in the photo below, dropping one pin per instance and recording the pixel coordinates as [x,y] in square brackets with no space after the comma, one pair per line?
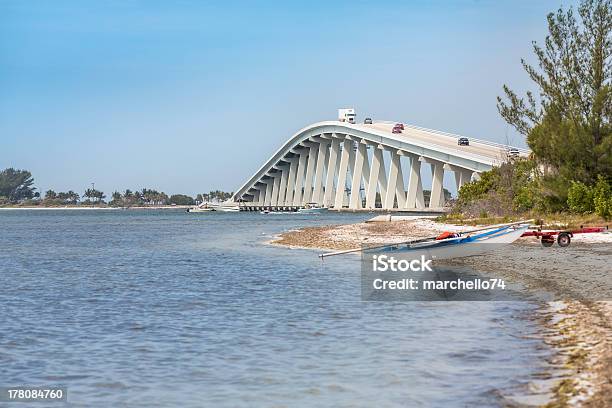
[89,193]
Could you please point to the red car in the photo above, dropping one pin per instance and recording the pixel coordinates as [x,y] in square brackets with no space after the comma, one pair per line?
[396,130]
[399,125]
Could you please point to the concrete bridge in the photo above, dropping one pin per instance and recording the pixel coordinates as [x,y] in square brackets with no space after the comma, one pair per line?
[342,165]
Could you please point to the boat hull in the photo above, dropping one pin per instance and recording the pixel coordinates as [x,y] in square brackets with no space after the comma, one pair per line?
[462,246]
[200,210]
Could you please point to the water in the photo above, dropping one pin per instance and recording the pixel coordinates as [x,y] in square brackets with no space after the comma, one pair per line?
[164,308]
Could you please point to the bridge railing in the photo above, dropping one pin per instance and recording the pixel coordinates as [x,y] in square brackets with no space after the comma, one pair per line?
[456,136]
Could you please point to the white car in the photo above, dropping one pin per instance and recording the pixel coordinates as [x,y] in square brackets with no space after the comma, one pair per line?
[513,152]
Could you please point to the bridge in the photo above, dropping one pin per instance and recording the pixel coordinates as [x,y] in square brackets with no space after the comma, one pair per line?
[361,166]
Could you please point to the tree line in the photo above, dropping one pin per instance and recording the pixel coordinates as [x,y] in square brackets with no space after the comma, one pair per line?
[17,187]
[567,124]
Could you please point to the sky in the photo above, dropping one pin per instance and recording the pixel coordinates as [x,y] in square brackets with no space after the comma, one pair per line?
[193,96]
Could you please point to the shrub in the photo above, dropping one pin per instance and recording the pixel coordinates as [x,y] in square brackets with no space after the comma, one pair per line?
[475,190]
[580,198]
[525,198]
[602,197]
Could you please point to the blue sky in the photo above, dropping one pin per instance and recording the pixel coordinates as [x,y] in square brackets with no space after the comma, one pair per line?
[190,96]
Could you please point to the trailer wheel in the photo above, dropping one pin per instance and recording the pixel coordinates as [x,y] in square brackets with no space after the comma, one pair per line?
[547,241]
[564,239]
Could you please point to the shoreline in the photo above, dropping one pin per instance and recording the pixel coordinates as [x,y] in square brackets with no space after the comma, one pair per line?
[577,327]
[153,207]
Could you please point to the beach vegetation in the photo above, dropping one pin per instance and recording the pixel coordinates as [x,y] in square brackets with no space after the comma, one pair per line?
[16,185]
[181,199]
[94,196]
[567,123]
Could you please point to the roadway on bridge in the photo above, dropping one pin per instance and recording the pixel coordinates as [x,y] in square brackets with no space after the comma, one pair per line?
[410,134]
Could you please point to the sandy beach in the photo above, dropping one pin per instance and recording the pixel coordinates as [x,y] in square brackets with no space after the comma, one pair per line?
[573,286]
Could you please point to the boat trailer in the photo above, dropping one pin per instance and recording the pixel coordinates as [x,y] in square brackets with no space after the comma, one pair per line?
[564,237]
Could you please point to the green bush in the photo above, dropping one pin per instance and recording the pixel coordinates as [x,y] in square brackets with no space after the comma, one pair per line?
[602,197]
[585,199]
[526,197]
[580,198]
[475,190]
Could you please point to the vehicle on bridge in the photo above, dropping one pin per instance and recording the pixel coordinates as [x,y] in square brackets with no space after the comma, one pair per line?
[513,152]
[397,129]
[399,125]
[463,141]
[367,121]
[346,115]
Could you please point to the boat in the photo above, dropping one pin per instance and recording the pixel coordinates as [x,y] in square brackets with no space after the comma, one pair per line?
[276,212]
[312,208]
[201,208]
[229,209]
[459,245]
[451,245]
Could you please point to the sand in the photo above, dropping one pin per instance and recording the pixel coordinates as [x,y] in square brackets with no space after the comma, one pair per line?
[573,285]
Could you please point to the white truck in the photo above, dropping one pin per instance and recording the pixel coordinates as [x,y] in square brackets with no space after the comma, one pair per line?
[346,115]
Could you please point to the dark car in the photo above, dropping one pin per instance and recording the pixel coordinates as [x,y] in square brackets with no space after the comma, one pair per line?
[368,121]
[399,125]
[396,130]
[463,141]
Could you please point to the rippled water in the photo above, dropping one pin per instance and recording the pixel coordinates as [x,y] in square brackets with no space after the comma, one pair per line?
[164,308]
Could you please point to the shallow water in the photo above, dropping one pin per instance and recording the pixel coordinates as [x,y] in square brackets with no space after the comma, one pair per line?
[163,308]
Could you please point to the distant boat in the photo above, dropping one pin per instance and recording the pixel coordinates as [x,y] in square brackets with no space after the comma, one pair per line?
[228,209]
[312,208]
[276,212]
[201,208]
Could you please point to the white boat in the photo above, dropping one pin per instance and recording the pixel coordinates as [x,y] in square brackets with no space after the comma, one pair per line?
[268,212]
[201,208]
[312,208]
[460,245]
[229,209]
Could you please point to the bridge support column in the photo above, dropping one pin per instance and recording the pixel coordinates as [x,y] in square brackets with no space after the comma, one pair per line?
[310,168]
[299,178]
[400,189]
[366,169]
[347,145]
[462,176]
[275,188]
[351,168]
[293,162]
[318,186]
[360,159]
[374,181]
[396,184]
[415,197]
[382,175]
[282,190]
[269,184]
[262,193]
[436,199]
[328,197]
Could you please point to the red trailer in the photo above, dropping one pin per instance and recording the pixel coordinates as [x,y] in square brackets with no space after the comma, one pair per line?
[564,237]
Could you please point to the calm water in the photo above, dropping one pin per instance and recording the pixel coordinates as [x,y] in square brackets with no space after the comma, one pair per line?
[164,308]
